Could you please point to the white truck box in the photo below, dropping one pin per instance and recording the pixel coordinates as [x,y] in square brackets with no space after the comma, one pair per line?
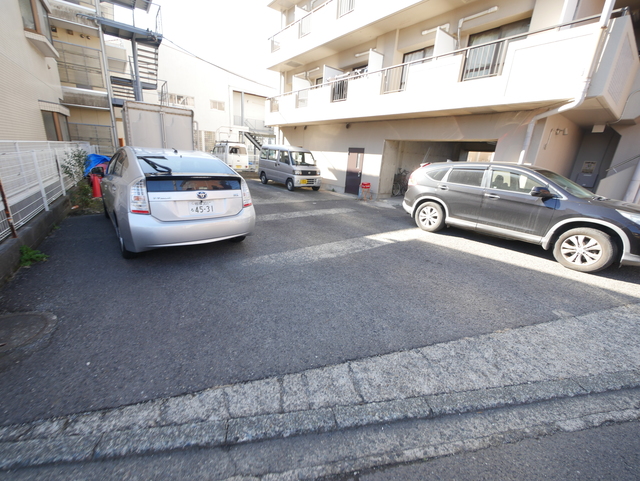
[157,126]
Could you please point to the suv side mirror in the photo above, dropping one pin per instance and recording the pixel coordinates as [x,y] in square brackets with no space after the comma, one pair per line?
[542,192]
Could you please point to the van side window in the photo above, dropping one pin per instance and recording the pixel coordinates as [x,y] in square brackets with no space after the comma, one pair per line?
[272,154]
[284,157]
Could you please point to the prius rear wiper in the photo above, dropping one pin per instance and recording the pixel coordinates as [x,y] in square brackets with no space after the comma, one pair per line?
[156,166]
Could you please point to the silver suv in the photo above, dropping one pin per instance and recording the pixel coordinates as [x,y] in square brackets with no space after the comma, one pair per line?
[164,197]
[588,233]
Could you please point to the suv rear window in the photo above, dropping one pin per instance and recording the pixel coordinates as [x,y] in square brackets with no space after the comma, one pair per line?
[438,174]
[178,184]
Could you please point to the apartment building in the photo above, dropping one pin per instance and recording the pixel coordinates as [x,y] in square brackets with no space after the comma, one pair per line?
[30,90]
[373,87]
[227,106]
[91,56]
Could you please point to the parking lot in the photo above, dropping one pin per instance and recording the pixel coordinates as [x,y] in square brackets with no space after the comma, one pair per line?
[325,279]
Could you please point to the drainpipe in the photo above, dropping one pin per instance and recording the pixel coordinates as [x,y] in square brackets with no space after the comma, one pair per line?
[604,21]
[107,79]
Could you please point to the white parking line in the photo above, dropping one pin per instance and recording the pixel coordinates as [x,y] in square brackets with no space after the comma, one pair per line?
[304,213]
[308,255]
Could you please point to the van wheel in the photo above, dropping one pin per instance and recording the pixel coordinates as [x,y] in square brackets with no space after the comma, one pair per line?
[585,250]
[263,178]
[237,239]
[316,187]
[290,186]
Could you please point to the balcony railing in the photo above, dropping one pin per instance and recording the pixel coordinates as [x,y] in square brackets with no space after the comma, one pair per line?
[99,136]
[79,65]
[480,61]
[303,26]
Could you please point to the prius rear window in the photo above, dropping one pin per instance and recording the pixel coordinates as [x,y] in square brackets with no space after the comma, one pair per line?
[165,184]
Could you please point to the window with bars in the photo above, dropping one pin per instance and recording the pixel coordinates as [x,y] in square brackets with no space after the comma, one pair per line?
[487,58]
[345,6]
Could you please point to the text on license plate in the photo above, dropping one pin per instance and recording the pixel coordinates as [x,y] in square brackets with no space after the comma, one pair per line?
[201,207]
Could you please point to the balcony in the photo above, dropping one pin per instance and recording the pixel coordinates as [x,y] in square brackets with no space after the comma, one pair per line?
[337,25]
[536,70]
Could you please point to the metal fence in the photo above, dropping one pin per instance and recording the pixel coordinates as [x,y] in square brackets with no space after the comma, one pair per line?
[32,179]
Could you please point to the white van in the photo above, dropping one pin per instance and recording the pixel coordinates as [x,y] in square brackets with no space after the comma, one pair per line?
[234,154]
[291,166]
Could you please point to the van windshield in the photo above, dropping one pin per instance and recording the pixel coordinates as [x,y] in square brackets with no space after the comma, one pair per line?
[302,158]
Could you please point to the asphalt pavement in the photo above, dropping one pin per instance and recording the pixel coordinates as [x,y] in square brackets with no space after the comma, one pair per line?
[575,373]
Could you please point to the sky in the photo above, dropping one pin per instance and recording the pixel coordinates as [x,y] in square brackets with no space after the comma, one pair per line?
[232,34]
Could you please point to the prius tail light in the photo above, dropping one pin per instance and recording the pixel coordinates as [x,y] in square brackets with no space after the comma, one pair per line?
[246,195]
[139,202]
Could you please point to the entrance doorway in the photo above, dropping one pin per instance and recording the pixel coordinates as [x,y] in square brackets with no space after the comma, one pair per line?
[354,171]
[594,158]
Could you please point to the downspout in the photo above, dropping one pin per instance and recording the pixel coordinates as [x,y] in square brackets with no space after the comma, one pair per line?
[603,24]
[107,80]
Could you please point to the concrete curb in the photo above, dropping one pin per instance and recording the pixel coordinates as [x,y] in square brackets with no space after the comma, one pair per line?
[563,359]
[31,235]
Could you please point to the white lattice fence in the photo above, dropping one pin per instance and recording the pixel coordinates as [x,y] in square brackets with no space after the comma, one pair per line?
[32,178]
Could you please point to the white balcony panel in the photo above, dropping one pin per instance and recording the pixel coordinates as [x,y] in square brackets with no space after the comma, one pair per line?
[325,33]
[614,79]
[538,71]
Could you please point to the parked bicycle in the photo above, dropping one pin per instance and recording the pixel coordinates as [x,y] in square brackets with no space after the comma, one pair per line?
[400,182]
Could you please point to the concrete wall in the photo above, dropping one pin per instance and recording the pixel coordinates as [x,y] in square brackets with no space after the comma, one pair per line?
[30,235]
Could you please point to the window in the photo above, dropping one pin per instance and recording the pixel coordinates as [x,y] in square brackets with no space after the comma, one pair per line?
[438,174]
[471,177]
[216,105]
[284,157]
[426,52]
[177,99]
[345,6]
[486,60]
[503,179]
[55,126]
[35,18]
[116,164]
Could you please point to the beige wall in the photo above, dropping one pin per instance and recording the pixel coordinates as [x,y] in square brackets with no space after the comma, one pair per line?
[26,76]
[558,144]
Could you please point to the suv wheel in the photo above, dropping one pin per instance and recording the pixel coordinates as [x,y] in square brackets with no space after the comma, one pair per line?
[585,250]
[430,217]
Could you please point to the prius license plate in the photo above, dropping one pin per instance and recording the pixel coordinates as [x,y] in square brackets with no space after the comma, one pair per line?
[201,207]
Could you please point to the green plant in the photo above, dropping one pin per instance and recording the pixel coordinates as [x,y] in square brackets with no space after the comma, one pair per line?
[29,256]
[74,164]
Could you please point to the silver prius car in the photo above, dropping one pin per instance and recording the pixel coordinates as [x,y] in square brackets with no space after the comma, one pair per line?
[165,197]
